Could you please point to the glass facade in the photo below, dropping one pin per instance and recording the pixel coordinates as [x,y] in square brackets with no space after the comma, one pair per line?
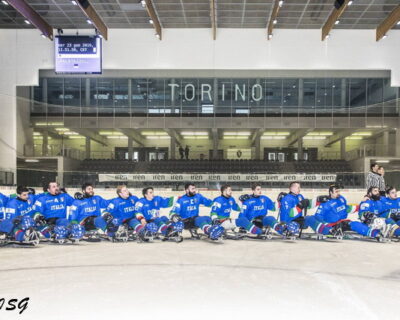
[214,97]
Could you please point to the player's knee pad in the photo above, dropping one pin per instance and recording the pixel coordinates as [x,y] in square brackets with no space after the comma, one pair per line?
[77,231]
[133,223]
[293,227]
[100,223]
[215,232]
[6,226]
[151,227]
[27,222]
[60,232]
[177,226]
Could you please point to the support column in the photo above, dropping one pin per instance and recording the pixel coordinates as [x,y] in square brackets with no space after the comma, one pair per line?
[385,144]
[397,143]
[172,148]
[87,92]
[215,143]
[45,144]
[257,144]
[87,148]
[300,149]
[130,148]
[343,149]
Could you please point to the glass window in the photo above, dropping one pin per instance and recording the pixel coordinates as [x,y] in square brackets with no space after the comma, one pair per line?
[290,96]
[55,95]
[72,95]
[38,105]
[273,96]
[389,97]
[225,96]
[156,98]
[139,97]
[257,97]
[375,96]
[105,95]
[121,97]
[309,96]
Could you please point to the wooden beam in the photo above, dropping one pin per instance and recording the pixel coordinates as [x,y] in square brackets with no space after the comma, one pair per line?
[213,19]
[388,23]
[153,16]
[33,17]
[274,15]
[92,15]
[333,17]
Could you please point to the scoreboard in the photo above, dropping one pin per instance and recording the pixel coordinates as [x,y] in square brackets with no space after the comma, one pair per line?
[78,54]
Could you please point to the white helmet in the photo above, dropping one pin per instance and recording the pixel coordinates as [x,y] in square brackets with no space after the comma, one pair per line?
[378,223]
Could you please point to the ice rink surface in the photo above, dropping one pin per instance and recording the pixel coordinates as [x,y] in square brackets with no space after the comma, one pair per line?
[198,279]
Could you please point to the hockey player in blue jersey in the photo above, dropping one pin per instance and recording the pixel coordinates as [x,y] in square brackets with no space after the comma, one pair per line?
[3,202]
[392,202]
[87,211]
[18,224]
[255,208]
[120,214]
[331,217]
[51,210]
[374,212]
[187,207]
[292,208]
[222,208]
[147,211]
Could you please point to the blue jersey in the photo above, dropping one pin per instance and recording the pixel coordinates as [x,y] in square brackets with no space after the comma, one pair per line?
[257,206]
[17,207]
[288,207]
[53,206]
[392,206]
[188,206]
[87,207]
[378,207]
[222,207]
[122,208]
[3,202]
[333,210]
[150,209]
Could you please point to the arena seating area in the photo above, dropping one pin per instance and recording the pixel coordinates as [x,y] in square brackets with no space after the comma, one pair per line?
[220,166]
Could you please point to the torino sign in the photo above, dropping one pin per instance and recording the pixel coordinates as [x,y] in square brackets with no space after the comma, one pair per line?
[211,177]
[238,92]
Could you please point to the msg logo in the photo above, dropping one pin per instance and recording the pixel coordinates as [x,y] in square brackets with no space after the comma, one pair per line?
[13,304]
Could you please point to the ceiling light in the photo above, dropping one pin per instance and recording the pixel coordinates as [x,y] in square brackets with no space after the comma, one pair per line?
[273,137]
[27,21]
[117,137]
[89,21]
[43,36]
[235,137]
[275,21]
[143,3]
[354,138]
[237,133]
[280,3]
[337,22]
[41,124]
[62,129]
[362,134]
[327,36]
[4,2]
[110,133]
[154,133]
[314,138]
[398,23]
[31,160]
[270,36]
[384,37]
[151,21]
[350,3]
[76,137]
[194,133]
[71,133]
[157,137]
[382,161]
[195,137]
[157,36]
[74,2]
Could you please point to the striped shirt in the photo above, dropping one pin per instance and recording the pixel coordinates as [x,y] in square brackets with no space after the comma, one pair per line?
[373,180]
